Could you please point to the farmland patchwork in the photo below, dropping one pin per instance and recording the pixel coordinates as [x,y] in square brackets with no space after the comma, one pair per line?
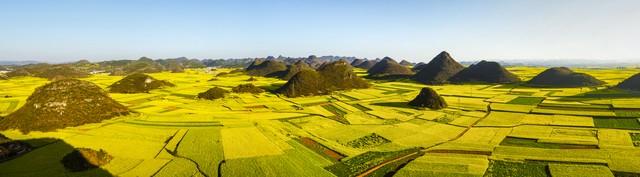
[486,130]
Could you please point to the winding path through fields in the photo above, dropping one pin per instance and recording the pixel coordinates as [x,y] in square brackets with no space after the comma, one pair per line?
[371,170]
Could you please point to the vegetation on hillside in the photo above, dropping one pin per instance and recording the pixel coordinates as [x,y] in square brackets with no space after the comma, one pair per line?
[339,75]
[484,72]
[405,63]
[148,65]
[51,72]
[428,98]
[367,64]
[247,88]
[438,70]
[330,77]
[564,77]
[213,93]
[388,67]
[142,65]
[293,69]
[266,68]
[61,104]
[304,83]
[138,83]
[357,62]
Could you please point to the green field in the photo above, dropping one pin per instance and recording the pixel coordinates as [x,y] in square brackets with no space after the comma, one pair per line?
[523,169]
[487,130]
[621,123]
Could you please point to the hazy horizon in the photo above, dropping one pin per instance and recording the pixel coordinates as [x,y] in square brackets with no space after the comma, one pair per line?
[63,31]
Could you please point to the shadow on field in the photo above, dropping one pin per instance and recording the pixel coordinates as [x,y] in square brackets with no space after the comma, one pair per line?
[393,104]
[44,158]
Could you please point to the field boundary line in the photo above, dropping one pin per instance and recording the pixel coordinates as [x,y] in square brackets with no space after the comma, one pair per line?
[371,170]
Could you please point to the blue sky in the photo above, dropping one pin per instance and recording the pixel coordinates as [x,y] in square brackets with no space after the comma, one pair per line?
[65,30]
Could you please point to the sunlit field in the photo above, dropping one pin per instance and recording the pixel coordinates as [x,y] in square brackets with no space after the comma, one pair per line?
[487,130]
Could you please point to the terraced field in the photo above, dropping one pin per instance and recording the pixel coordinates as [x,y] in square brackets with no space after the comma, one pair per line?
[487,130]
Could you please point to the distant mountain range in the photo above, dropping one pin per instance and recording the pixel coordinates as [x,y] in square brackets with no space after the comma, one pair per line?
[566,63]
[239,62]
[16,62]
